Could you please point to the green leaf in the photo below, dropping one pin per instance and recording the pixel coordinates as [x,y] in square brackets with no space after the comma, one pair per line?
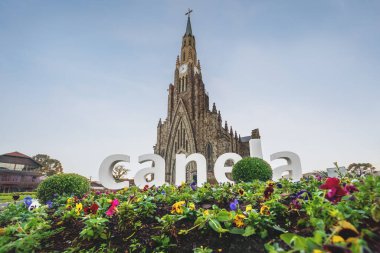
[299,243]
[288,238]
[90,232]
[249,231]
[214,224]
[278,228]
[223,216]
[375,213]
[237,231]
[103,236]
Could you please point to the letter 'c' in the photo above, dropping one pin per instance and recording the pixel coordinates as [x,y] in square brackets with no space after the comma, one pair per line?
[105,172]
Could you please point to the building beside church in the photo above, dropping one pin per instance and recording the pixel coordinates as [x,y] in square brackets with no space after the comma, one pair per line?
[191,126]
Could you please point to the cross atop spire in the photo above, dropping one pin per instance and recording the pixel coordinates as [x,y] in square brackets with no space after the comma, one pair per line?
[188,26]
[188,12]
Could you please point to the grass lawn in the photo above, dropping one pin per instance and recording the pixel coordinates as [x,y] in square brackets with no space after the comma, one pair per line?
[8,197]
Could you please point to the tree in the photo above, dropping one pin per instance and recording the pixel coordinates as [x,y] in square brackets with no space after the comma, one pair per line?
[50,166]
[119,172]
[360,169]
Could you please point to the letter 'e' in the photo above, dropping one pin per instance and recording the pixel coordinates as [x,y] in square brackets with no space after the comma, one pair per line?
[220,169]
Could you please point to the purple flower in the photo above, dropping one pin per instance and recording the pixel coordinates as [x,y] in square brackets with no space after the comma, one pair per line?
[351,188]
[97,192]
[28,201]
[303,194]
[49,203]
[193,186]
[279,185]
[234,205]
[163,192]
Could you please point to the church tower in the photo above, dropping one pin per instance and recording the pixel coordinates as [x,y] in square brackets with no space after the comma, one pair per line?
[190,126]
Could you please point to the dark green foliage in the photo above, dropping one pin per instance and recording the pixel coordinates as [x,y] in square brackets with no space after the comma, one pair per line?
[249,169]
[62,184]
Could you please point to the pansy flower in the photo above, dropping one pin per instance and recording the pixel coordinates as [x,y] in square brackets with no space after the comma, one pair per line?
[239,220]
[49,204]
[335,190]
[193,186]
[78,208]
[234,205]
[112,209]
[28,201]
[177,208]
[264,210]
[350,188]
[269,189]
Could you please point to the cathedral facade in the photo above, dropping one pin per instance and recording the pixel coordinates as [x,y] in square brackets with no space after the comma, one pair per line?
[191,126]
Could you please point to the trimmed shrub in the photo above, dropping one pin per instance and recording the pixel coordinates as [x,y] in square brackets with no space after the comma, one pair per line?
[62,184]
[249,169]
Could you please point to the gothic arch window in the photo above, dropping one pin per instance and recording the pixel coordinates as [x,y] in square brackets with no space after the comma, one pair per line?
[209,156]
[183,56]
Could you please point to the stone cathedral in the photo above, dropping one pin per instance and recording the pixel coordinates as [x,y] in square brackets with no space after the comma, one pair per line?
[190,126]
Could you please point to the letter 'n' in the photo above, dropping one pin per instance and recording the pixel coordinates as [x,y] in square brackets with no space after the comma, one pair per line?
[180,169]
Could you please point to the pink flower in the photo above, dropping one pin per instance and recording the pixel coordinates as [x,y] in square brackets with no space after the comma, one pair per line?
[115,202]
[112,210]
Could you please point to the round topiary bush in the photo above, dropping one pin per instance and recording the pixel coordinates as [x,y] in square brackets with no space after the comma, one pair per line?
[251,168]
[58,185]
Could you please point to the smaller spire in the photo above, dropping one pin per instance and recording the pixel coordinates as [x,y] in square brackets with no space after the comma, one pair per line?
[236,137]
[177,61]
[214,108]
[231,131]
[219,117]
[239,138]
[225,125]
[159,123]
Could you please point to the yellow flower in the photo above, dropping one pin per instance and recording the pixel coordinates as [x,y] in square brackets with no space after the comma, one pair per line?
[2,231]
[69,201]
[178,207]
[264,210]
[337,239]
[239,220]
[345,232]
[248,208]
[317,251]
[206,212]
[191,206]
[78,208]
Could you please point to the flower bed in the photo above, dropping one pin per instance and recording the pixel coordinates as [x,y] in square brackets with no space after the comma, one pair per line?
[328,215]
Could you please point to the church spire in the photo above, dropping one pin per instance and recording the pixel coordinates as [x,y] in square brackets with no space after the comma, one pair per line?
[188,26]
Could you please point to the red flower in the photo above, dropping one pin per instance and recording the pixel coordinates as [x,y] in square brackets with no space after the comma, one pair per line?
[268,191]
[146,187]
[94,208]
[336,191]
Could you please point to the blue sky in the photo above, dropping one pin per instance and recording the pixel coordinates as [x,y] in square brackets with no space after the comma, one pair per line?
[80,80]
